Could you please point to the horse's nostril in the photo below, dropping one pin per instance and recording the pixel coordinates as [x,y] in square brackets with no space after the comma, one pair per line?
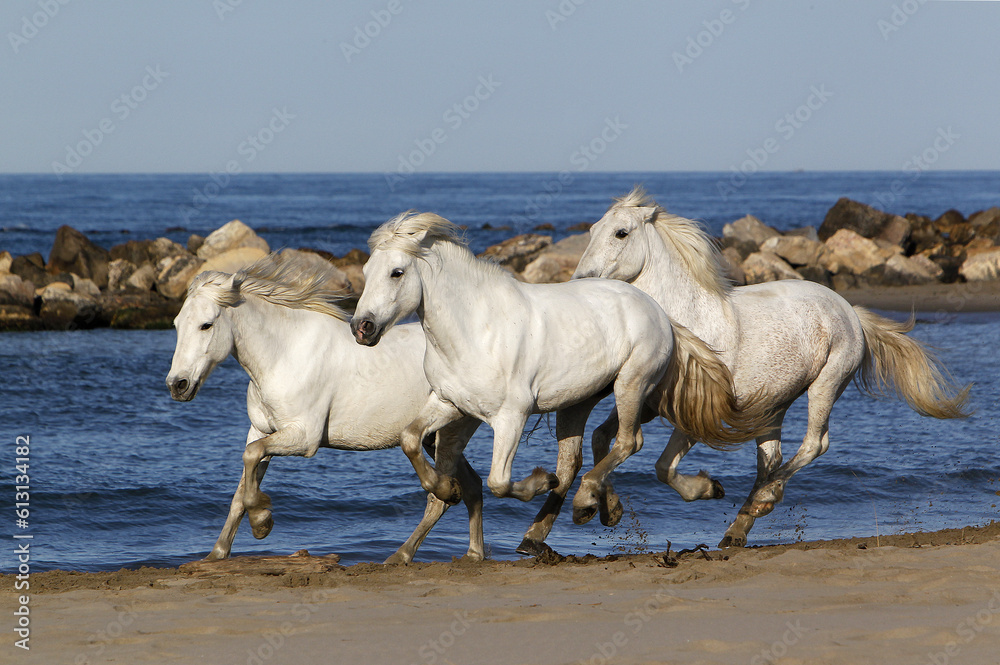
[181,385]
[367,327]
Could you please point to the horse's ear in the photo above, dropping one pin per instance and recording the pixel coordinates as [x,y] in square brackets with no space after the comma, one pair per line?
[648,213]
[419,235]
[233,296]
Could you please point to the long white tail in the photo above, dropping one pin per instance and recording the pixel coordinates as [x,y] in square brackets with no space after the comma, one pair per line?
[697,396]
[902,365]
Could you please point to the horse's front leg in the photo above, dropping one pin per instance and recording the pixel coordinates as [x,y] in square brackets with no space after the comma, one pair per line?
[224,544]
[435,414]
[286,441]
[570,425]
[472,494]
[507,429]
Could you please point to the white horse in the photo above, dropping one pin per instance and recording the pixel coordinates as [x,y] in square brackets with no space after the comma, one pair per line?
[310,384]
[781,339]
[499,350]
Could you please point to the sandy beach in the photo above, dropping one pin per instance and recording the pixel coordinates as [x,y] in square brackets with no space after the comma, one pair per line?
[915,598]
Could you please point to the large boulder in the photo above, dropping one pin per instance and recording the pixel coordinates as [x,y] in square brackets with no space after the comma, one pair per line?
[6,261]
[746,235]
[864,220]
[16,291]
[796,250]
[119,270]
[234,259]
[851,252]
[558,262]
[985,217]
[174,274]
[73,252]
[732,263]
[63,308]
[233,235]
[517,252]
[901,271]
[31,268]
[767,267]
[981,266]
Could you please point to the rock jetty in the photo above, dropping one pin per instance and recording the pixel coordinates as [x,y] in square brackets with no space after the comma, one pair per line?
[142,284]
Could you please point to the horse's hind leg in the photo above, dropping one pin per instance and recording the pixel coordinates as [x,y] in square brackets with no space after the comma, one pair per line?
[768,460]
[570,425]
[224,544]
[609,503]
[690,488]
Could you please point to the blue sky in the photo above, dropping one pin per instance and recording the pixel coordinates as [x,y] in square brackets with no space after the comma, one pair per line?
[543,85]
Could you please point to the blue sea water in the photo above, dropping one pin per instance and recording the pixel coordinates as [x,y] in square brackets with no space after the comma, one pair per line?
[121,475]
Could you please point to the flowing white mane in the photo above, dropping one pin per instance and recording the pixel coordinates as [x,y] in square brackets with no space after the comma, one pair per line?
[280,280]
[412,232]
[688,239]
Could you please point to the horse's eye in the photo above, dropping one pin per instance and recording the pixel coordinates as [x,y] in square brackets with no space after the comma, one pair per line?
[621,234]
[206,326]
[396,273]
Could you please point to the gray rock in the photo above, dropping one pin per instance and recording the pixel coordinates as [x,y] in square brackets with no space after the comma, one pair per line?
[174,274]
[767,267]
[73,252]
[16,291]
[119,271]
[865,221]
[797,250]
[748,229]
[517,252]
[233,235]
[850,251]
[981,266]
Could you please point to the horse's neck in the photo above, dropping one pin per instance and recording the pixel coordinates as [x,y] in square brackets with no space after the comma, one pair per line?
[459,302]
[262,333]
[686,301]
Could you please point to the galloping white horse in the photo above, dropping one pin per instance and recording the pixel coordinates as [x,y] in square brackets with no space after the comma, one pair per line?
[500,350]
[780,339]
[310,384]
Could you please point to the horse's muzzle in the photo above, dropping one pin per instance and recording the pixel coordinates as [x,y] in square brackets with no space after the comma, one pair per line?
[181,389]
[366,332]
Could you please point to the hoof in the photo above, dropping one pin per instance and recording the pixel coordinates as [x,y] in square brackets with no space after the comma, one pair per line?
[583,514]
[531,547]
[611,510]
[718,492]
[216,555]
[733,541]
[449,490]
[262,524]
[471,557]
[760,508]
[398,558]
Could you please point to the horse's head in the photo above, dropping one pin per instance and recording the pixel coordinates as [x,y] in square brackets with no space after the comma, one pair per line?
[619,243]
[392,292]
[393,289]
[204,335]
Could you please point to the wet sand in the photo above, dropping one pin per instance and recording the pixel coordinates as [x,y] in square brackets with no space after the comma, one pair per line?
[917,598]
[930,298]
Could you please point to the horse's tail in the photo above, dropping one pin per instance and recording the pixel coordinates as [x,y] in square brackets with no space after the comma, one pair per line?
[698,397]
[900,364]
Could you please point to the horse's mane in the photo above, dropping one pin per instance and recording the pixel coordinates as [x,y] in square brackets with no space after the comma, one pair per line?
[282,280]
[414,233]
[401,231]
[696,249]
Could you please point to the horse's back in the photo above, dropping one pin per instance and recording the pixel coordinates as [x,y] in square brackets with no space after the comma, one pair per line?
[795,328]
